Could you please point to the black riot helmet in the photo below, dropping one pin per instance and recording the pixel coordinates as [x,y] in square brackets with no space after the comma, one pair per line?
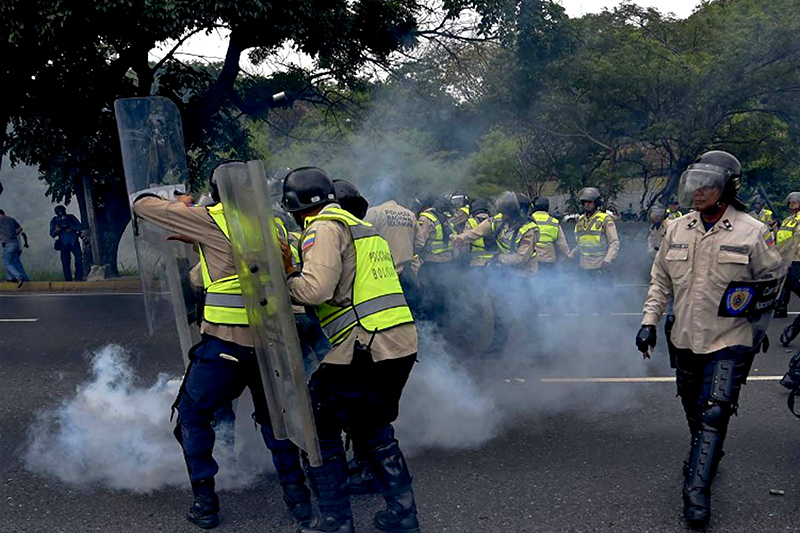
[714,169]
[422,202]
[350,199]
[507,203]
[307,187]
[479,205]
[541,203]
[60,210]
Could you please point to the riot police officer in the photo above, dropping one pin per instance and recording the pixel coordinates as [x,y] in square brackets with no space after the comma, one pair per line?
[434,254]
[597,243]
[516,237]
[348,277]
[222,364]
[700,254]
[786,231]
[552,242]
[484,249]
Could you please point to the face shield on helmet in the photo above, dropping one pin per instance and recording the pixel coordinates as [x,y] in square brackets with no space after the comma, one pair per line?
[508,205]
[702,183]
[657,214]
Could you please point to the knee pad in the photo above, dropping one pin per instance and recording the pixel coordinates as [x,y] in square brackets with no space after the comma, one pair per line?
[715,415]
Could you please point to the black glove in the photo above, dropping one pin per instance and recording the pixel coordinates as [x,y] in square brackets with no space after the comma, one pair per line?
[645,340]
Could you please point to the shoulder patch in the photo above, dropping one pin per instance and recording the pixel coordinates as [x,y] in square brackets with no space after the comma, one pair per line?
[309,239]
[769,238]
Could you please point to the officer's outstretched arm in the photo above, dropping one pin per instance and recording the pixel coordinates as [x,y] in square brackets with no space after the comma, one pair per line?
[471,235]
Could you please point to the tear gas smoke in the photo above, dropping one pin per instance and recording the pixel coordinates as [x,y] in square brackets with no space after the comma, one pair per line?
[115,433]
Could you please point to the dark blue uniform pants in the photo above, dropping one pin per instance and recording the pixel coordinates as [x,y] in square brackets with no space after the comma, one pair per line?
[213,382]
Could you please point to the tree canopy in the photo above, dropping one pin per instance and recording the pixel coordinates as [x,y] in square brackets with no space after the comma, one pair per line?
[482,94]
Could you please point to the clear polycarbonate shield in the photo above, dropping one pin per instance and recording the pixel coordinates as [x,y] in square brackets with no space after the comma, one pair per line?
[751,294]
[245,198]
[151,141]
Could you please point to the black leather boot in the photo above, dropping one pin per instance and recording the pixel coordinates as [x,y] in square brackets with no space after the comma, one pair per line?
[329,484]
[789,334]
[780,313]
[391,473]
[204,512]
[361,479]
[297,498]
[703,461]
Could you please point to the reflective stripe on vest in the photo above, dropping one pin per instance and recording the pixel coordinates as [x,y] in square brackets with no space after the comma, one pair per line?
[787,227]
[548,227]
[377,298]
[590,236]
[223,297]
[438,246]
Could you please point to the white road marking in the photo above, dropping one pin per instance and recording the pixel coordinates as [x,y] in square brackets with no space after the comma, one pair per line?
[19,319]
[643,379]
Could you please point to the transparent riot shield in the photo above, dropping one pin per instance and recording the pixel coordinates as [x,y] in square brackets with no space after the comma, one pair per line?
[151,141]
[751,294]
[245,196]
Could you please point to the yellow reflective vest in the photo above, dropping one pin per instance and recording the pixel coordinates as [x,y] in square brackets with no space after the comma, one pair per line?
[548,227]
[509,237]
[764,216]
[788,226]
[437,243]
[590,236]
[223,302]
[672,215]
[478,249]
[377,298]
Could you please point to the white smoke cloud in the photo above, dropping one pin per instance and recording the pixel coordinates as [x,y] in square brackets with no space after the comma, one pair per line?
[117,434]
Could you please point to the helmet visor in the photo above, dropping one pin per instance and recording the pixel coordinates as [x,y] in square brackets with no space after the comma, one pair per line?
[700,181]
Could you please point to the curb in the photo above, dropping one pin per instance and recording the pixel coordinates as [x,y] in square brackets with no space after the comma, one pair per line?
[131,284]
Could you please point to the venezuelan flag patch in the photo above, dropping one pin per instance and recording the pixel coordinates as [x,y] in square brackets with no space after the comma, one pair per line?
[769,238]
[308,240]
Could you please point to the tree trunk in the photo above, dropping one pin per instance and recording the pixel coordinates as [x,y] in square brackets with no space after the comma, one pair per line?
[113,215]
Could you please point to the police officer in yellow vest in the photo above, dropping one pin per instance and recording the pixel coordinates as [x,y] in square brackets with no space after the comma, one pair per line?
[461,210]
[484,249]
[786,230]
[433,256]
[222,364]
[596,237]
[674,209]
[516,237]
[552,244]
[761,213]
[348,277]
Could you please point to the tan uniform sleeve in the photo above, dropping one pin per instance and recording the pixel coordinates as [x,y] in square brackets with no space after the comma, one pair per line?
[613,242]
[561,244]
[473,234]
[660,286]
[322,266]
[177,217]
[522,256]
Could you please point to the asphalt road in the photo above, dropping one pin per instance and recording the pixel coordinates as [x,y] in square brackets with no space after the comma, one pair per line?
[574,457]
